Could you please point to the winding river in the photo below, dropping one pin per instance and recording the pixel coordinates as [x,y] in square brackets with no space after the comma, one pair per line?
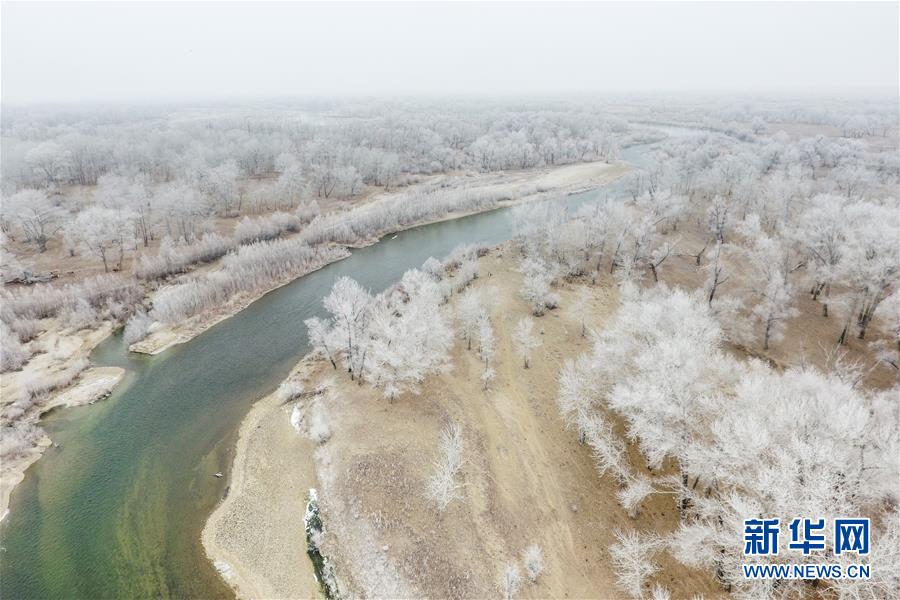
[117,510]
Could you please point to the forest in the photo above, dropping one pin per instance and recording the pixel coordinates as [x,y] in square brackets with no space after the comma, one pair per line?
[753,250]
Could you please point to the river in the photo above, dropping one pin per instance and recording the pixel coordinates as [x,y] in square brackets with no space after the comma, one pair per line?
[117,510]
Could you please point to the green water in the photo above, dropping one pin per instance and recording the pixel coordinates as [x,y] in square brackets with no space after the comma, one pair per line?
[117,510]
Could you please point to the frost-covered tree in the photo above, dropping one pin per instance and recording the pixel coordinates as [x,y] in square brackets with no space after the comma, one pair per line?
[469,312]
[409,335]
[292,184]
[643,248]
[768,258]
[221,184]
[350,307]
[38,218]
[821,233]
[50,161]
[322,338]
[486,348]
[133,198]
[105,233]
[137,328]
[443,486]
[578,395]
[78,315]
[774,308]
[633,560]
[717,273]
[512,581]
[392,340]
[758,125]
[637,488]
[182,211]
[870,264]
[743,436]
[535,289]
[466,273]
[718,217]
[582,308]
[434,268]
[525,341]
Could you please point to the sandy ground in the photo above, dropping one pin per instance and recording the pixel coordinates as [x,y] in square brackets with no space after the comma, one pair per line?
[60,352]
[527,480]
[256,535]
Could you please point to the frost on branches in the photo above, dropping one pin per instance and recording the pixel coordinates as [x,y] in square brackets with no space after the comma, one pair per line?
[746,440]
[391,340]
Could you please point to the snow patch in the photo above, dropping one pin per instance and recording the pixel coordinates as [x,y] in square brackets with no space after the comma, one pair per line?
[296,419]
[224,569]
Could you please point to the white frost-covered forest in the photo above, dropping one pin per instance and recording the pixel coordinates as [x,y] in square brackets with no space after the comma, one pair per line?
[315,306]
[754,248]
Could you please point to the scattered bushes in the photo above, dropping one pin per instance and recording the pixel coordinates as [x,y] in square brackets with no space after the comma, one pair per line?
[171,259]
[251,230]
[252,268]
[137,328]
[13,354]
[18,439]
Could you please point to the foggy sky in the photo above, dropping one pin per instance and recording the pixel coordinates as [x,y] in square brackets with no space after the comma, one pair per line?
[167,51]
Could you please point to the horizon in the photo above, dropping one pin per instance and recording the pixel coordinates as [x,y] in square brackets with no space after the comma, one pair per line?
[88,53]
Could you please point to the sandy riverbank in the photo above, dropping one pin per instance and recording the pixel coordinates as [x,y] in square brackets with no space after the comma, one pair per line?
[62,357]
[256,536]
[527,480]
[520,186]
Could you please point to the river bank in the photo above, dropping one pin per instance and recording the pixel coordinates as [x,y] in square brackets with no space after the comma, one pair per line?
[162,337]
[525,186]
[268,483]
[526,478]
[175,425]
[523,470]
[520,186]
[58,376]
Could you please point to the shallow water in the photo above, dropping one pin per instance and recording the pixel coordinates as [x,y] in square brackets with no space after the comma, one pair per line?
[117,510]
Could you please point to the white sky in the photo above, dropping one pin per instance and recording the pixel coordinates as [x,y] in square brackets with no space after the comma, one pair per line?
[165,51]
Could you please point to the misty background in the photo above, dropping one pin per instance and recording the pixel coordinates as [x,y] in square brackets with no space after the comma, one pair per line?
[145,52]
